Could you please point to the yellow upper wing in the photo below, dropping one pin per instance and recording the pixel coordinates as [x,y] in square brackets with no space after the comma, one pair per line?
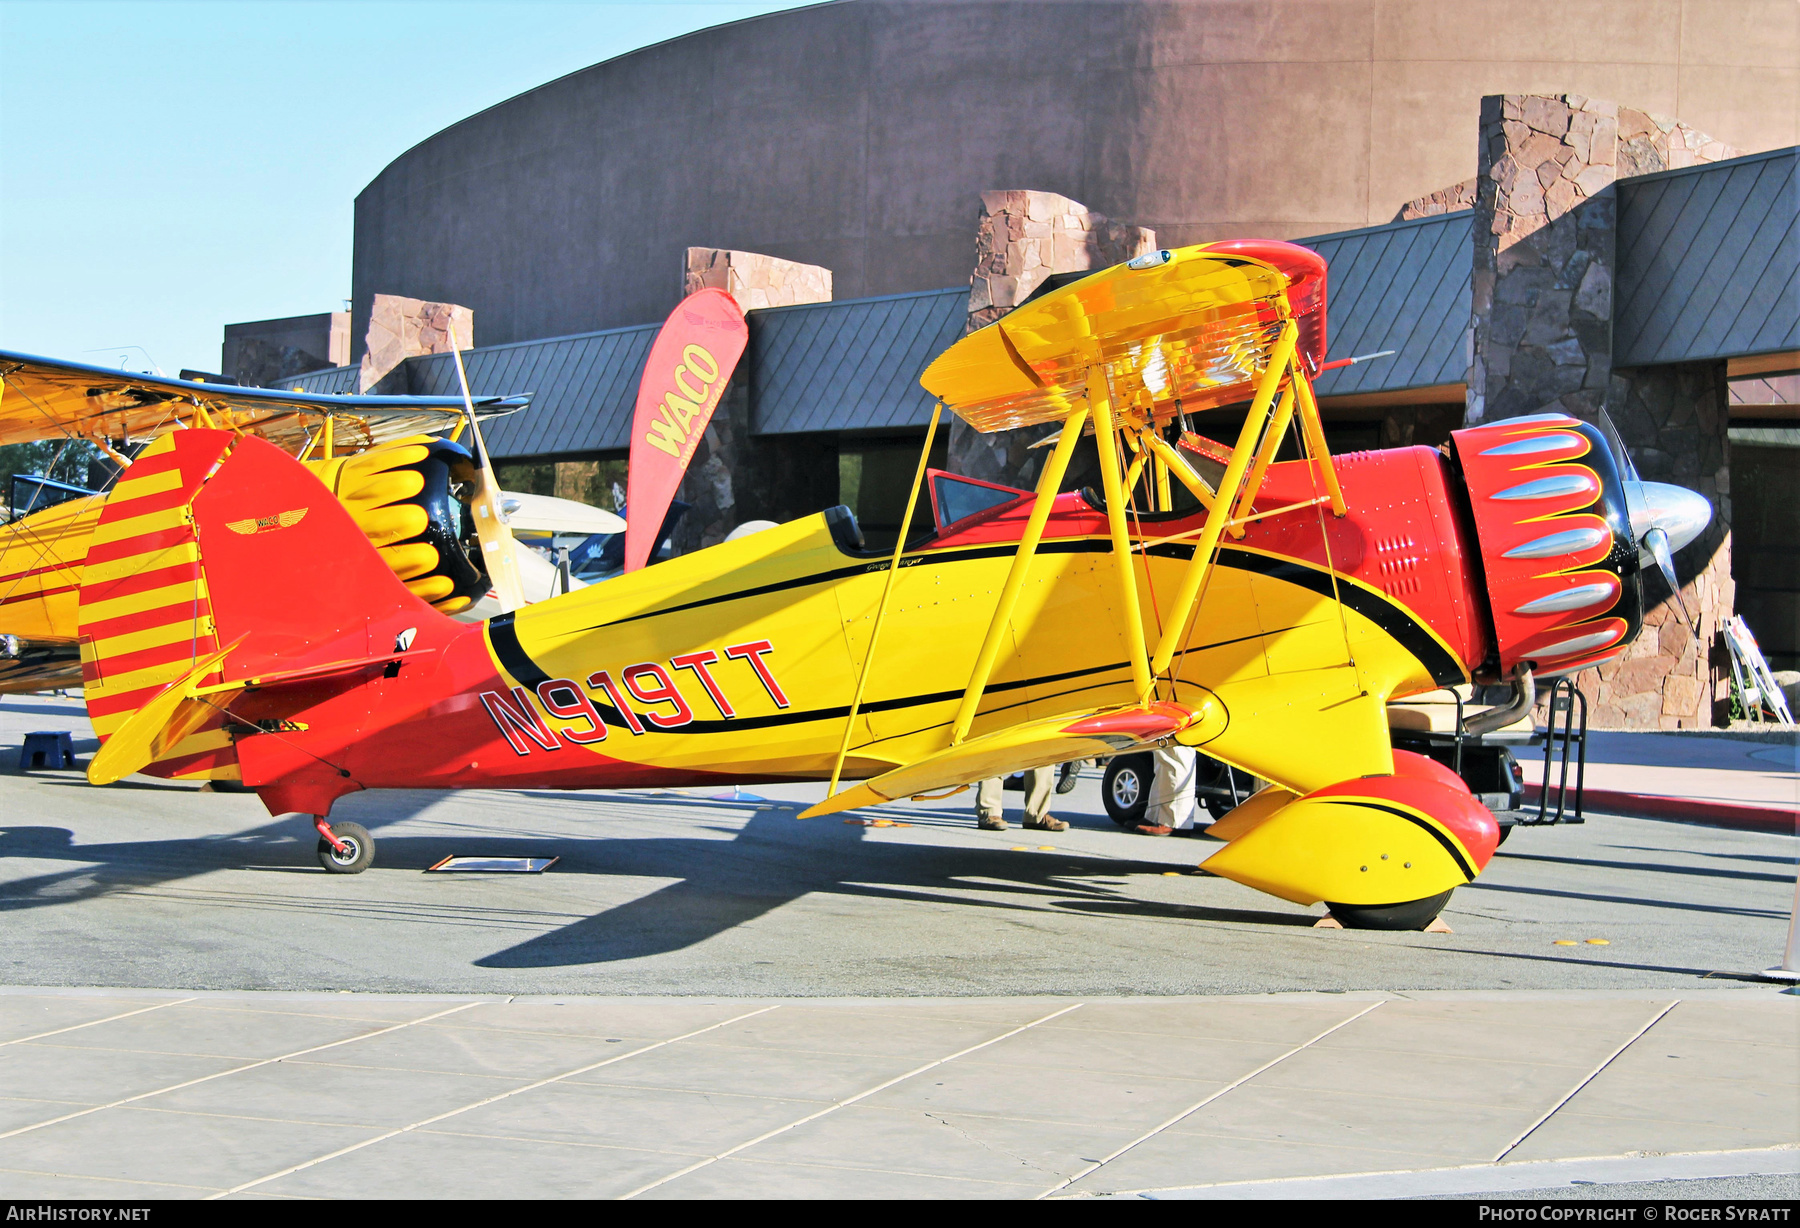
[1190,324]
[41,398]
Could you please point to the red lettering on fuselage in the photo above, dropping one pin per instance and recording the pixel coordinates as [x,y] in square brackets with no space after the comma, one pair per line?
[603,681]
[697,662]
[576,706]
[663,692]
[606,701]
[753,653]
[520,720]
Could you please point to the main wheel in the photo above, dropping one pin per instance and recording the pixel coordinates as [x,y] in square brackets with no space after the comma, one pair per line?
[359,849]
[1412,915]
[1125,789]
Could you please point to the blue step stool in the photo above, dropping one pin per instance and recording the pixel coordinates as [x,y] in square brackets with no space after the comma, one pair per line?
[51,748]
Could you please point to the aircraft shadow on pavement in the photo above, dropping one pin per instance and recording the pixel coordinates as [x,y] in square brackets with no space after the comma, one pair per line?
[67,711]
[771,860]
[775,860]
[124,865]
[1650,866]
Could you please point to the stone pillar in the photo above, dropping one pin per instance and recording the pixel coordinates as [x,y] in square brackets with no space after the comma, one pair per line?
[734,477]
[1545,248]
[1545,244]
[1021,240]
[1545,239]
[402,328]
[755,280]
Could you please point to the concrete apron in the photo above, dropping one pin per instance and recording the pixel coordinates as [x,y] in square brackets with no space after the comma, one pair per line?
[111,1093]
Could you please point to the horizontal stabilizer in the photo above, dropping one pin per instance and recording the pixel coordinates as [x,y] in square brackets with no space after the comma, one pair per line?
[1040,743]
[152,730]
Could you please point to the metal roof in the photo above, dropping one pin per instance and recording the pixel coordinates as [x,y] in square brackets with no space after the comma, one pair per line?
[1709,261]
[1405,287]
[335,381]
[583,389]
[849,366]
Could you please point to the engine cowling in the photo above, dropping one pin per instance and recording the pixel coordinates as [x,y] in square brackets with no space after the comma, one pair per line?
[1560,559]
[400,495]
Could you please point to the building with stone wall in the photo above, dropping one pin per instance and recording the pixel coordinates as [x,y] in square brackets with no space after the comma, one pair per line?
[897,174]
[859,136]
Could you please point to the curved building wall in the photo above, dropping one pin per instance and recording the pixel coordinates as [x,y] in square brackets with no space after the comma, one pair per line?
[857,135]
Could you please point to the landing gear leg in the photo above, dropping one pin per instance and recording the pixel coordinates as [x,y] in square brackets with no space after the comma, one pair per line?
[344,848]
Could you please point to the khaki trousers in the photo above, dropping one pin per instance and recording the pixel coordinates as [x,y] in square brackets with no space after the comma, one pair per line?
[990,795]
[1171,801]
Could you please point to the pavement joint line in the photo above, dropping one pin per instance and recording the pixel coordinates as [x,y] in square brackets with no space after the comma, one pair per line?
[1319,1185]
[1096,1165]
[47,1172]
[267,1061]
[848,1100]
[418,1125]
[92,1023]
[1591,1076]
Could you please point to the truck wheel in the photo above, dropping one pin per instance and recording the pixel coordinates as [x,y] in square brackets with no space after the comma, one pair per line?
[1125,789]
[1412,915]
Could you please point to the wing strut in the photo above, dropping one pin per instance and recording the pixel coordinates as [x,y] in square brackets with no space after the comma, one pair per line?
[1280,357]
[1317,452]
[1100,401]
[1055,465]
[887,588]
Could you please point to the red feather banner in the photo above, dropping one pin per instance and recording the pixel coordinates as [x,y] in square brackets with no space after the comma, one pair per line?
[689,366]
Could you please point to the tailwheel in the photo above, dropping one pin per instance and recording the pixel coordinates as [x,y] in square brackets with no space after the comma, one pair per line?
[1411,915]
[344,848]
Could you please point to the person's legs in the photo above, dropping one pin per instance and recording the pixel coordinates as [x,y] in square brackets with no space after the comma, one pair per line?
[1038,784]
[1170,807]
[990,804]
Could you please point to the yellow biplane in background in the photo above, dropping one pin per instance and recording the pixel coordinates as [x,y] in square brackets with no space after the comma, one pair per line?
[414,494]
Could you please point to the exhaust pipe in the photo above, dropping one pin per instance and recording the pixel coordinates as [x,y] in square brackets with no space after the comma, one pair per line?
[1523,697]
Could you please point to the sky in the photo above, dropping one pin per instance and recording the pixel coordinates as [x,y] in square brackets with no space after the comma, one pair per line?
[170,168]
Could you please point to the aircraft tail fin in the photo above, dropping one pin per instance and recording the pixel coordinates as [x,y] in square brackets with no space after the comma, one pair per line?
[217,559]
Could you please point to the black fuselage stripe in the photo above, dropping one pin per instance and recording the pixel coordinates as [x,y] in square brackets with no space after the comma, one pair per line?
[615,719]
[1402,627]
[1395,622]
[503,635]
[1415,820]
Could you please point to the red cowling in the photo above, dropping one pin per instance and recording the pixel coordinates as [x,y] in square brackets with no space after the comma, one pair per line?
[1556,545]
[1425,789]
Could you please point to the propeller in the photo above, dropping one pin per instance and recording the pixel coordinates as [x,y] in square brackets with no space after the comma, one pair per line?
[1656,541]
[498,550]
[1664,517]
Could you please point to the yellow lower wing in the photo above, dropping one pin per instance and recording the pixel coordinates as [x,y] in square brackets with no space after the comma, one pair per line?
[1040,743]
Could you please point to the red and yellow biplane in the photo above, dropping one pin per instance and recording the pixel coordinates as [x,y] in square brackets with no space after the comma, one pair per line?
[1264,609]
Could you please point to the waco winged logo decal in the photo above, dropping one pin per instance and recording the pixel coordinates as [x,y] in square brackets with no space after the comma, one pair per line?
[265,524]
